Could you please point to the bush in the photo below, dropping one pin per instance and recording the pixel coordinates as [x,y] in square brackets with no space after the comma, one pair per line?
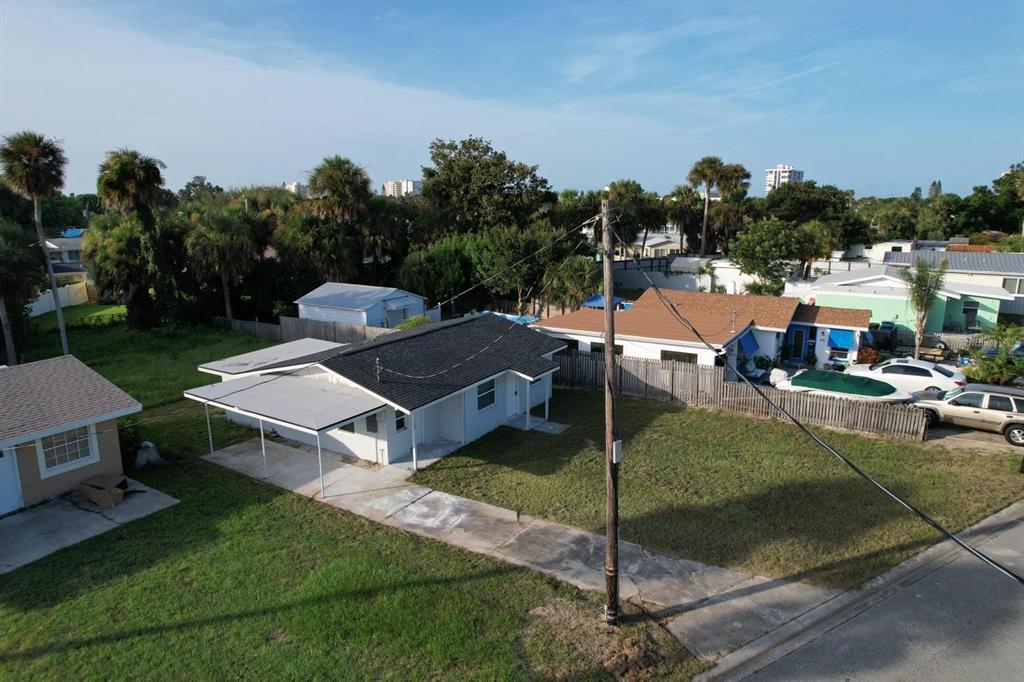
[1000,370]
[129,437]
[413,322]
[868,356]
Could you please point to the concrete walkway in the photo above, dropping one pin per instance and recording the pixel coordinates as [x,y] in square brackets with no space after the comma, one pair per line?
[39,531]
[711,609]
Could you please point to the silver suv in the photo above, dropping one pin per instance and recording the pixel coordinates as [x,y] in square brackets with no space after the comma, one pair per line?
[980,406]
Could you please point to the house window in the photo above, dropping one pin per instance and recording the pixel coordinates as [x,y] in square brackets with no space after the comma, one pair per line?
[689,358]
[67,450]
[572,345]
[1012,285]
[971,313]
[371,424]
[399,422]
[350,427]
[485,395]
[599,348]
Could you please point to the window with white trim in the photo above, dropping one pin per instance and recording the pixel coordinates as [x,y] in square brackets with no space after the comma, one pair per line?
[399,421]
[67,450]
[485,395]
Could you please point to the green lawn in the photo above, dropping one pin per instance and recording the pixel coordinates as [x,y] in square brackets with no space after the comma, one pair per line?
[90,314]
[726,490]
[154,366]
[244,580]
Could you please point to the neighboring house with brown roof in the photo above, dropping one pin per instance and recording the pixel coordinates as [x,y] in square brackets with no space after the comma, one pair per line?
[58,427]
[744,326]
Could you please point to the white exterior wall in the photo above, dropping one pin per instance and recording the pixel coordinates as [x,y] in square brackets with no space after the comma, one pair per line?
[650,350]
[767,342]
[316,312]
[479,423]
[821,349]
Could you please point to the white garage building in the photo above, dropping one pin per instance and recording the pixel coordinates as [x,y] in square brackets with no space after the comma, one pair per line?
[360,304]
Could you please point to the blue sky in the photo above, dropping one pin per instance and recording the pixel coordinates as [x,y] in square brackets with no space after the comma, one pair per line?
[878,98]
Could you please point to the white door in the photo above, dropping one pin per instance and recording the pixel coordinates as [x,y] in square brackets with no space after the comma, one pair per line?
[512,398]
[10,485]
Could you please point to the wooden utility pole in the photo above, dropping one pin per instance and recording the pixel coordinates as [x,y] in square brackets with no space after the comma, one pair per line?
[611,551]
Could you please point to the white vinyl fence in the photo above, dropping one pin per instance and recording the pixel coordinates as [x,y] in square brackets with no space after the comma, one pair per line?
[71,294]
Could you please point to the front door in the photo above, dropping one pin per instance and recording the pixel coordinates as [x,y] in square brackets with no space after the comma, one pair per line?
[10,485]
[799,344]
[512,404]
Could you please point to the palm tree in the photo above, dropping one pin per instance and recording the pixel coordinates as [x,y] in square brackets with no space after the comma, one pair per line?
[575,280]
[222,245]
[340,189]
[131,183]
[923,285]
[683,209]
[19,275]
[707,172]
[33,166]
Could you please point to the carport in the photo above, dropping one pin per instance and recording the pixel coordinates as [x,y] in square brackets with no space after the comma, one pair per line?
[306,404]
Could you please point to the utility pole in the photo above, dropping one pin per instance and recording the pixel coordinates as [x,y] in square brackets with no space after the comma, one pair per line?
[611,464]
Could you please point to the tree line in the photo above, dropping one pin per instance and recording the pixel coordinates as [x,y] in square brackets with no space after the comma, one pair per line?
[249,252]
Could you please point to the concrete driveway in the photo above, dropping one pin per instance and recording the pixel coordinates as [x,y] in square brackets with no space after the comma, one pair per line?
[959,438]
[39,531]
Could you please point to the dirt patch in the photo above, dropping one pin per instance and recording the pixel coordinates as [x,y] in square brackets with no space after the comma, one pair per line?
[568,639]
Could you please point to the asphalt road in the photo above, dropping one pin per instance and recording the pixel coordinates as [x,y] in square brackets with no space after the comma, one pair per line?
[964,621]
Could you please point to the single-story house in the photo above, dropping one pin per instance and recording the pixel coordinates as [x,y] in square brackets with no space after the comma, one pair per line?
[58,427]
[959,307]
[360,304]
[410,395]
[744,326]
[966,268]
[66,257]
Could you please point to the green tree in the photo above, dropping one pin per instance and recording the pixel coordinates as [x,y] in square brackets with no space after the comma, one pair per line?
[708,172]
[221,246]
[386,233]
[801,202]
[439,271]
[330,248]
[923,285]
[572,281]
[33,166]
[765,250]
[474,187]
[198,189]
[574,207]
[637,211]
[501,257]
[935,189]
[20,276]
[340,190]
[684,208]
[813,240]
[132,184]
[937,218]
[112,250]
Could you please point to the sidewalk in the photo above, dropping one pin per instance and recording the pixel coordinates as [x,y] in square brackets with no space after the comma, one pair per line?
[718,609]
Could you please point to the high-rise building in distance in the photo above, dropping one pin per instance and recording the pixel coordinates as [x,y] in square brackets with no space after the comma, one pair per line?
[780,175]
[400,188]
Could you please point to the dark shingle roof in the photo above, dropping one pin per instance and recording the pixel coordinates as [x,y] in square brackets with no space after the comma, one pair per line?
[964,261]
[43,397]
[474,348]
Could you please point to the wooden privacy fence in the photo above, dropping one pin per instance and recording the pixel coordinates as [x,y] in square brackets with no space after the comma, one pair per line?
[293,328]
[702,386]
[959,343]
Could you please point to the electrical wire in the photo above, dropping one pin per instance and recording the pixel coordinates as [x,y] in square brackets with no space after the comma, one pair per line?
[674,311]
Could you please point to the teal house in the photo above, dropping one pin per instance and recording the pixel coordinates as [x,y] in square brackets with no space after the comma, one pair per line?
[961,307]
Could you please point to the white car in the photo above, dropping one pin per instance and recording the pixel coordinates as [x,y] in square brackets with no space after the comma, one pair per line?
[912,375]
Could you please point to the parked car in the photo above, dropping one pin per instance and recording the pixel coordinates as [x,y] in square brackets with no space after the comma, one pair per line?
[984,407]
[1016,351]
[843,385]
[912,375]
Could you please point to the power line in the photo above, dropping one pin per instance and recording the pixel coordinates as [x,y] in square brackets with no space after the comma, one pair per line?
[846,460]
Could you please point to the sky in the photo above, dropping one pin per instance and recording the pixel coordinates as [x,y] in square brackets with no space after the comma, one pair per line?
[874,97]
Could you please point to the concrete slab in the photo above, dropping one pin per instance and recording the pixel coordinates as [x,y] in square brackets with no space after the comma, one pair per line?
[969,440]
[34,533]
[536,424]
[464,523]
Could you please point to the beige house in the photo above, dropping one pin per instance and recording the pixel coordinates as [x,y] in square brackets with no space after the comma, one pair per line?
[58,427]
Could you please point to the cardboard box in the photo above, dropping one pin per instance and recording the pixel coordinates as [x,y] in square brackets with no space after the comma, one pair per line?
[104,490]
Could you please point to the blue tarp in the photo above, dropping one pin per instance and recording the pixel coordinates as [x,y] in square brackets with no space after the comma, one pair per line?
[597,301]
[840,338]
[749,344]
[72,232]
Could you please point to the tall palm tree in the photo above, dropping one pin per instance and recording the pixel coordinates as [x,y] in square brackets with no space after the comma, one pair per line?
[19,276]
[707,172]
[923,285]
[340,189]
[222,245]
[132,183]
[683,209]
[33,166]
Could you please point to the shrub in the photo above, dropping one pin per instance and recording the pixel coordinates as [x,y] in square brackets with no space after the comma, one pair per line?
[413,322]
[868,356]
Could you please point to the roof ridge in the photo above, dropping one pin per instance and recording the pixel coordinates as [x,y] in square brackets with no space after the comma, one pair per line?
[395,336]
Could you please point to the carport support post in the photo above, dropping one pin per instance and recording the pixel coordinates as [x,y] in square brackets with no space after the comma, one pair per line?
[209,431]
[263,448]
[320,462]
[412,423]
[527,404]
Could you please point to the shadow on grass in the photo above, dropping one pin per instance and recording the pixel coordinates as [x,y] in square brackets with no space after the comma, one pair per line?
[208,496]
[318,601]
[824,529]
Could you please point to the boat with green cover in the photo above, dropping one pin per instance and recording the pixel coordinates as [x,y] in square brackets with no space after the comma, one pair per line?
[843,385]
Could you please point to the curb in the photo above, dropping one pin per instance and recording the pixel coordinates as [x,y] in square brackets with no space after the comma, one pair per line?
[807,627]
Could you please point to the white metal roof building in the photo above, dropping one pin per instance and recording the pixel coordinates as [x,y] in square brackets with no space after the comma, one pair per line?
[360,304]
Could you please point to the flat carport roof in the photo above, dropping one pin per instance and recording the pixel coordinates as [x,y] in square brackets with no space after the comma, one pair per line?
[306,403]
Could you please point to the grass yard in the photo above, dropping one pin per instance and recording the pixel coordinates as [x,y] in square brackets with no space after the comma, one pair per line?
[153,366]
[87,314]
[243,580]
[727,490]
